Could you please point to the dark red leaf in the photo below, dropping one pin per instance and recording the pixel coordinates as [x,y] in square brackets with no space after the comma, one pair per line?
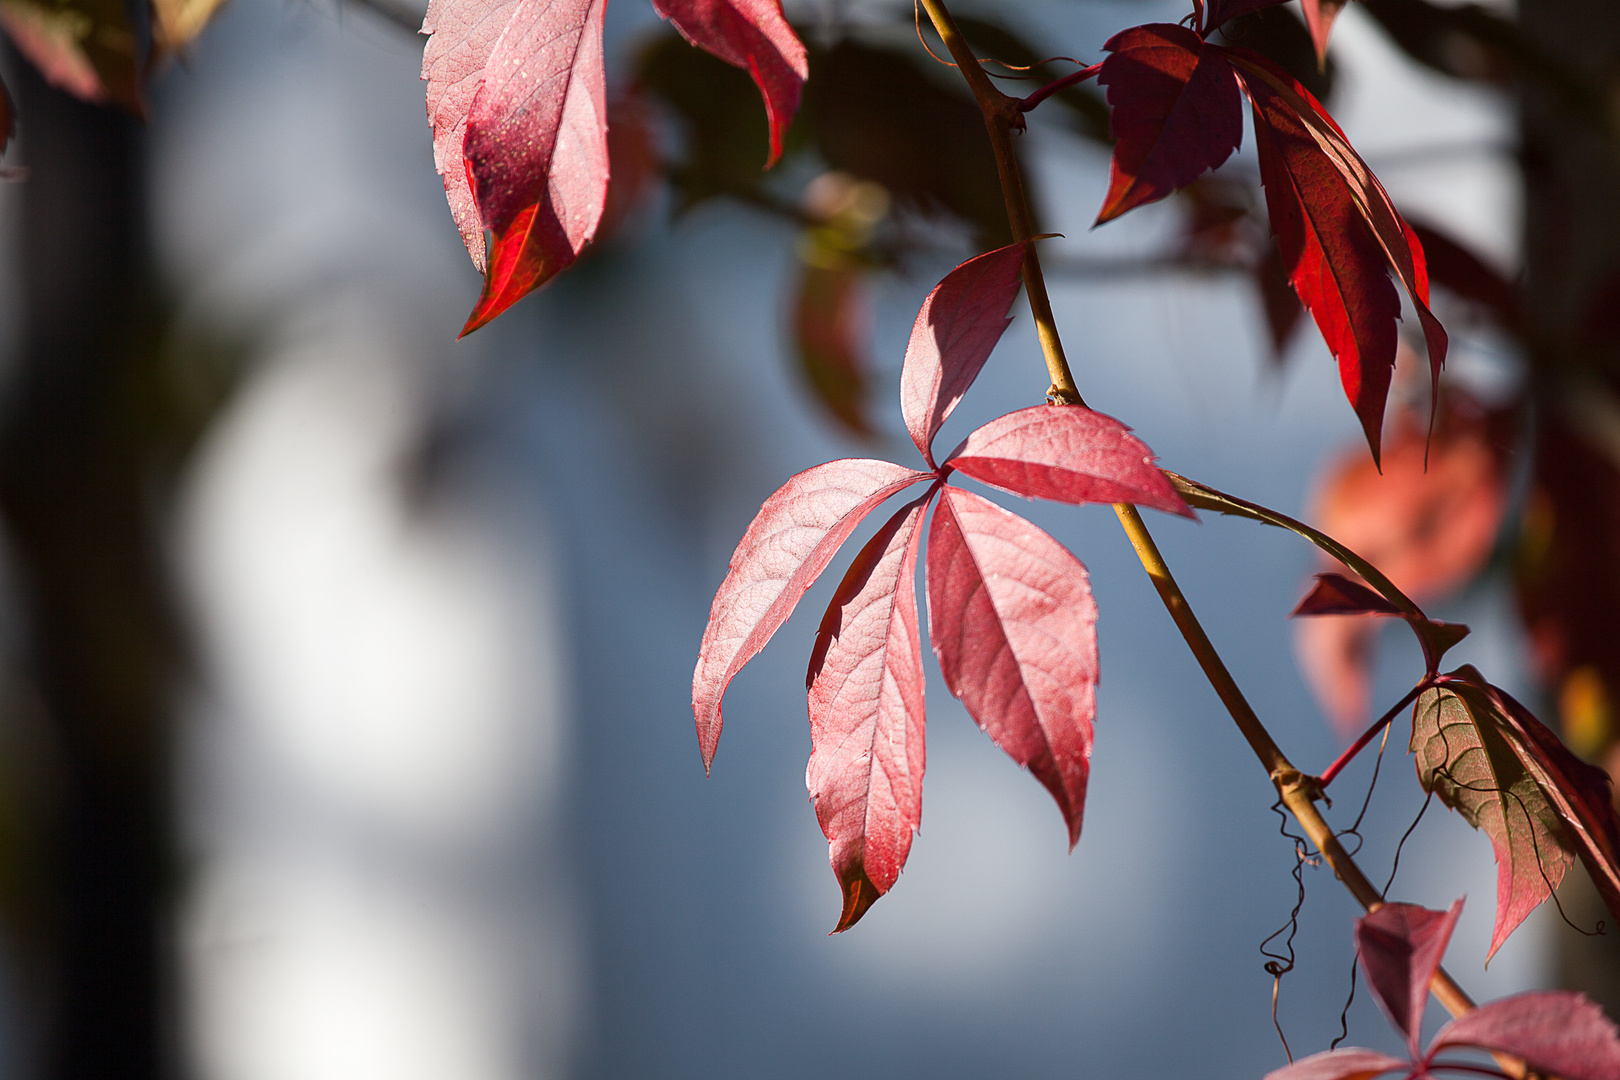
[1319,16]
[1337,230]
[1067,453]
[1555,1032]
[1350,1063]
[752,35]
[829,333]
[1401,946]
[1177,113]
[1013,623]
[1335,594]
[955,332]
[787,546]
[866,715]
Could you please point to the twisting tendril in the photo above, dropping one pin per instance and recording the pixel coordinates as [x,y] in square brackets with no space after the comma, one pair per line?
[1280,963]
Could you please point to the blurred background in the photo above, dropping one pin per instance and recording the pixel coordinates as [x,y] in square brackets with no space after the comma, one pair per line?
[344,712]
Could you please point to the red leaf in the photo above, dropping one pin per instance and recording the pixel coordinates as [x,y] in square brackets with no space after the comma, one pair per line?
[752,35]
[1013,623]
[463,34]
[1350,1063]
[1067,453]
[1469,755]
[1555,1032]
[789,543]
[866,715]
[1177,113]
[1581,793]
[1319,16]
[535,142]
[1337,229]
[1335,594]
[955,331]
[1400,947]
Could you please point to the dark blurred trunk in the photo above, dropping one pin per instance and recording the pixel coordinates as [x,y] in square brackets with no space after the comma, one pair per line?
[1570,570]
[77,503]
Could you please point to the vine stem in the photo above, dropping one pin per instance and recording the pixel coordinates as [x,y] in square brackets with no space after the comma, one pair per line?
[1299,792]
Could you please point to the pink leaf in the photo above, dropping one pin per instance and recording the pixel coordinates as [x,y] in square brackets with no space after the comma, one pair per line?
[1067,453]
[752,35]
[955,331]
[463,34]
[1400,947]
[866,715]
[1554,1032]
[1177,113]
[1350,1063]
[1319,16]
[1014,626]
[790,542]
[535,145]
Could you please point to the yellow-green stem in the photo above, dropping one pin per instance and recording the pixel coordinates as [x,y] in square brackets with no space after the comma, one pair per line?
[1297,791]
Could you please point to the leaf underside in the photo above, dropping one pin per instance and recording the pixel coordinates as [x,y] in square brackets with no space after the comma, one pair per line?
[1472,760]
[1400,946]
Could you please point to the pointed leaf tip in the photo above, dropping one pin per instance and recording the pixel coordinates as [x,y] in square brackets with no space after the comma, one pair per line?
[787,546]
[955,331]
[1337,232]
[755,36]
[1400,947]
[1013,623]
[1067,453]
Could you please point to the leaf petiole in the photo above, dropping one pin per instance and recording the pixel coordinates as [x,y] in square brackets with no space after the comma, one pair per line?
[1371,733]
[1057,86]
